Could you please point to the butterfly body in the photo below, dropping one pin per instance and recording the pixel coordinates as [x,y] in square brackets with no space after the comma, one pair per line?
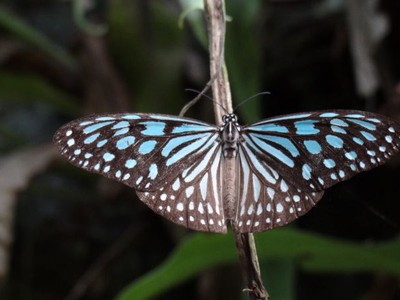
[230,135]
[255,177]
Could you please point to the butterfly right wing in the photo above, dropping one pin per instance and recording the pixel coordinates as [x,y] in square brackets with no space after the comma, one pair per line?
[139,150]
[173,163]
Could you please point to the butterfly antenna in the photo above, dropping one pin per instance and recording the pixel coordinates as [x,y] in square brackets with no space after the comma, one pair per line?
[194,101]
[248,99]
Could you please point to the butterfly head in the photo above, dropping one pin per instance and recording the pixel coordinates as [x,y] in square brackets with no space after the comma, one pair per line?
[229,118]
[230,130]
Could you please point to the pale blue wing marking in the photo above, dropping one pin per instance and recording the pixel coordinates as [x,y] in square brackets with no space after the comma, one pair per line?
[334,141]
[147,146]
[187,150]
[269,128]
[125,142]
[312,146]
[364,124]
[258,143]
[177,141]
[306,127]
[282,141]
[190,128]
[368,136]
[95,127]
[153,128]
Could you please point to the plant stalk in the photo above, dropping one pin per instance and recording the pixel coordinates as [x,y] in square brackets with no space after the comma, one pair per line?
[215,19]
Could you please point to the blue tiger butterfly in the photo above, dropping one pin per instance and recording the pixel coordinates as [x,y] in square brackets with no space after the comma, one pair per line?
[255,177]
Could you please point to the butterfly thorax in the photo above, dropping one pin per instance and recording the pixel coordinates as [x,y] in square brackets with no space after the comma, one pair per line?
[230,134]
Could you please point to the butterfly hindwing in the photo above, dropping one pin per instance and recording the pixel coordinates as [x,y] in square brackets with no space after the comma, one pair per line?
[266,204]
[193,199]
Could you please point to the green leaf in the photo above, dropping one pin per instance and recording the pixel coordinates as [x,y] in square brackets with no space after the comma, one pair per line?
[243,55]
[27,87]
[312,252]
[27,34]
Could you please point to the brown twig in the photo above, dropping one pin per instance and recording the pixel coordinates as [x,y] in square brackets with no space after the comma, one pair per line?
[215,18]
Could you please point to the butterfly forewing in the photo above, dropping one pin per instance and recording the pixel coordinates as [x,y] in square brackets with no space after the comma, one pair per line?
[313,151]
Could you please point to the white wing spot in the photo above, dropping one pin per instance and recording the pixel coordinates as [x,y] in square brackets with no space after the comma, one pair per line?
[176,185]
[279,208]
[388,139]
[296,198]
[179,206]
[191,205]
[189,191]
[163,197]
[271,193]
[71,142]
[139,180]
[284,186]
[250,210]
[209,208]
[200,208]
[259,209]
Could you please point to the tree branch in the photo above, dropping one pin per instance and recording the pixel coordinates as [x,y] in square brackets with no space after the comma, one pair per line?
[215,18]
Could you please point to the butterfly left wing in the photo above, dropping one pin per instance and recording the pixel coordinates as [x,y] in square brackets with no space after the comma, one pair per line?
[316,150]
[267,200]
[288,161]
[150,153]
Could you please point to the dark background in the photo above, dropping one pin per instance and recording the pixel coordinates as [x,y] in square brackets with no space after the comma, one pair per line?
[113,56]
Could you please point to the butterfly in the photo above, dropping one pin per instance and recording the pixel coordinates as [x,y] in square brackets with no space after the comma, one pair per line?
[255,177]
